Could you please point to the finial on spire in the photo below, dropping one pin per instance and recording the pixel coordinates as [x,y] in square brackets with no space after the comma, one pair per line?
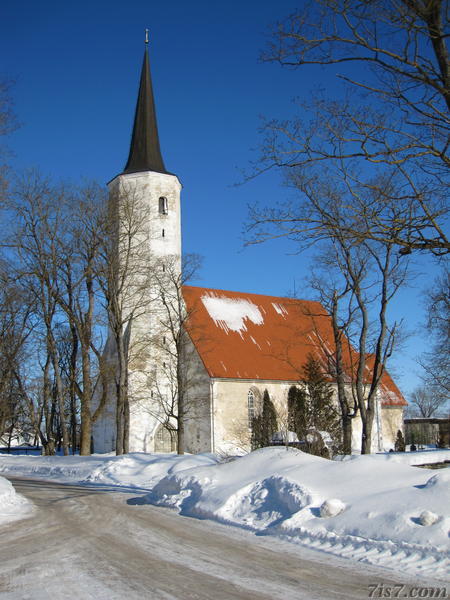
[146,36]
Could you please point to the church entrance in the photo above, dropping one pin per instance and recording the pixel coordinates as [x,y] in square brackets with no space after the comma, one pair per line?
[165,438]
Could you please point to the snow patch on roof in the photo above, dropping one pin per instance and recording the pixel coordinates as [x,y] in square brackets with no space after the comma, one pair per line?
[230,313]
[389,398]
[280,309]
[255,342]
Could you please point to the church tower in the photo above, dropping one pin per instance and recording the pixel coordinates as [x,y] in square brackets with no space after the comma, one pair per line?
[145,202]
[146,174]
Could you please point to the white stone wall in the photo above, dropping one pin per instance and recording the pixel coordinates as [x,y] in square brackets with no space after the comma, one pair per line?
[156,241]
[392,422]
[198,428]
[148,187]
[104,429]
[230,410]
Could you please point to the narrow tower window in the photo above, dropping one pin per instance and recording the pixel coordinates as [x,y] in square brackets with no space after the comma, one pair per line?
[163,206]
[163,233]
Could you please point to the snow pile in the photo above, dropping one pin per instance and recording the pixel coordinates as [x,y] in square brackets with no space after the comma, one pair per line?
[12,505]
[368,508]
[133,470]
[145,470]
[331,508]
[63,468]
[428,518]
[376,509]
[421,457]
[230,313]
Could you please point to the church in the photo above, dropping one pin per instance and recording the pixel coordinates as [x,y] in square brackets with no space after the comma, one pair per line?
[220,349]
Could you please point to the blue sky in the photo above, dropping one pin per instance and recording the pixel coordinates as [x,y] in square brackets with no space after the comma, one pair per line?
[76,70]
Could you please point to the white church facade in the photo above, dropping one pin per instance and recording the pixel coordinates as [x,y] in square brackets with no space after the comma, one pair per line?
[220,349]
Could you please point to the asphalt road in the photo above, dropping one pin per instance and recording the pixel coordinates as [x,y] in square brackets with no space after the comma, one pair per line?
[104,543]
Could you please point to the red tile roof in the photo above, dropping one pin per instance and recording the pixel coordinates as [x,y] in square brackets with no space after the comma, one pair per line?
[250,336]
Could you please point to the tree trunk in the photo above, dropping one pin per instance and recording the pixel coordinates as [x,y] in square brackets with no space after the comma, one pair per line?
[35,422]
[126,423]
[47,411]
[72,391]
[122,395]
[86,418]
[60,400]
[180,421]
[347,435]
[119,422]
[180,399]
[346,414]
[180,441]
[86,340]
[367,425]
[10,438]
[49,448]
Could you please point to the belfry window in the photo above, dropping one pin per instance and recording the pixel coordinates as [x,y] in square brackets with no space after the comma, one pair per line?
[163,206]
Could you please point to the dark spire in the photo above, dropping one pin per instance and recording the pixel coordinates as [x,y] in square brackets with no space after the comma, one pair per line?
[145,153]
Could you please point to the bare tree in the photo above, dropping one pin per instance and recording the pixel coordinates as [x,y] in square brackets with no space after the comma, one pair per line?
[171,342]
[425,403]
[334,294]
[368,277]
[37,210]
[390,134]
[54,247]
[123,271]
[358,278]
[8,123]
[285,433]
[312,406]
[15,309]
[77,295]
[436,361]
[40,407]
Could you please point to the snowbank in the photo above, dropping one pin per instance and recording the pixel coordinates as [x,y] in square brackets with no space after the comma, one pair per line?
[421,457]
[136,469]
[12,505]
[63,468]
[376,509]
[368,508]
[145,470]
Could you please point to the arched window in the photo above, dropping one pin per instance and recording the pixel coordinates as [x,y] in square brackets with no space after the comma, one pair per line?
[165,438]
[163,206]
[251,408]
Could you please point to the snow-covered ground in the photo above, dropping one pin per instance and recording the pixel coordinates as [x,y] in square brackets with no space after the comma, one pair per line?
[377,509]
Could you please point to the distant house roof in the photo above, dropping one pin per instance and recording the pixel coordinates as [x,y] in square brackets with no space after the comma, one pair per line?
[250,336]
